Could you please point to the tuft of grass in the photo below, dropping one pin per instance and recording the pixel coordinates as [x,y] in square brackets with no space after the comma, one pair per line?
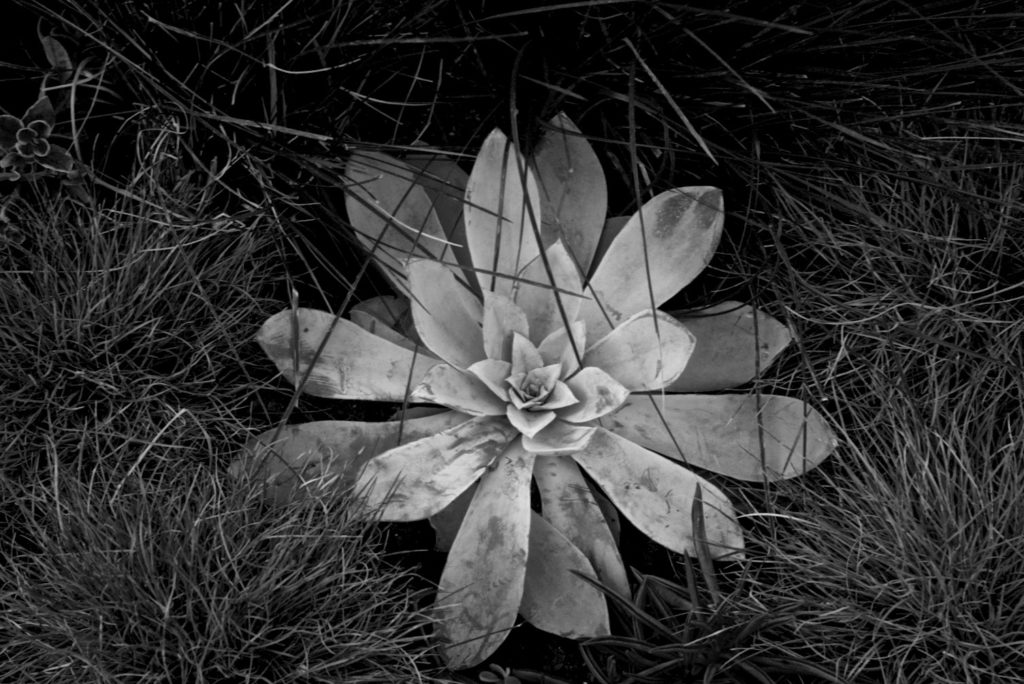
[130,378]
[908,293]
[185,578]
[131,319]
[672,632]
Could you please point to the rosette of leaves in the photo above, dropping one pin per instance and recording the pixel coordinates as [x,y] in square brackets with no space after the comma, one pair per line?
[531,319]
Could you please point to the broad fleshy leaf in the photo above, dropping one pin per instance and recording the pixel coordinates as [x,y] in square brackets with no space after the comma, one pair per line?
[416,480]
[611,513]
[41,110]
[458,390]
[645,352]
[569,505]
[392,215]
[561,396]
[558,438]
[612,227]
[493,373]
[666,244]
[354,363]
[548,305]
[723,432]
[573,192]
[448,520]
[323,454]
[447,315]
[375,326]
[554,598]
[499,223]
[482,584]
[528,422]
[60,62]
[597,393]
[417,412]
[445,184]
[656,495]
[734,341]
[502,318]
[391,310]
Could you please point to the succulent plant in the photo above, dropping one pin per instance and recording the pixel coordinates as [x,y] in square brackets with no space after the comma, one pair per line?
[533,320]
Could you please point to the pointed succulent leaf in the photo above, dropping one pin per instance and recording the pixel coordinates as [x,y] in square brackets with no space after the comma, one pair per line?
[392,215]
[597,393]
[549,300]
[558,438]
[58,58]
[561,396]
[568,503]
[458,390]
[656,495]
[354,364]
[725,433]
[557,348]
[666,244]
[502,318]
[445,184]
[446,314]
[482,584]
[297,460]
[500,214]
[645,352]
[734,341]
[493,373]
[555,599]
[573,190]
[525,356]
[417,480]
[528,422]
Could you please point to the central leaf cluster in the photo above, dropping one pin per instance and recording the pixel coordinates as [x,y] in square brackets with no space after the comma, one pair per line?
[551,391]
[533,389]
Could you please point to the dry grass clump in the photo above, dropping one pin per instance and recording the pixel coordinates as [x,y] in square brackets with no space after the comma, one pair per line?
[189,578]
[909,293]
